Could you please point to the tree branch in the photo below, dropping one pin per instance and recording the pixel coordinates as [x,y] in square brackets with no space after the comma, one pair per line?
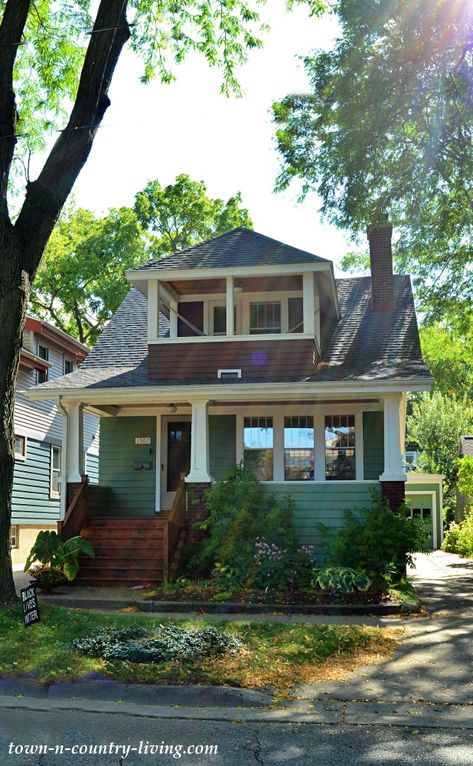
[46,196]
[11,31]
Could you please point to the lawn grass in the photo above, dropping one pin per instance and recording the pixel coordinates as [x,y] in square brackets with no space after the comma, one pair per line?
[274,654]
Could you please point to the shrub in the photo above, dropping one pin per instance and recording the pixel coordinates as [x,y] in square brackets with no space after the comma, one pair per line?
[251,536]
[459,537]
[168,642]
[377,540]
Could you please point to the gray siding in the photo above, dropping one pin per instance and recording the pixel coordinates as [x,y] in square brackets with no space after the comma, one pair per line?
[31,501]
[132,492]
[92,467]
[321,504]
[373,444]
[222,444]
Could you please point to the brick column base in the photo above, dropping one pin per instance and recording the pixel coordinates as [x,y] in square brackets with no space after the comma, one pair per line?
[394,492]
[196,511]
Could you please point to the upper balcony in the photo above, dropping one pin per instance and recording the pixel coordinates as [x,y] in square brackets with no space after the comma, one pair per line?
[232,317]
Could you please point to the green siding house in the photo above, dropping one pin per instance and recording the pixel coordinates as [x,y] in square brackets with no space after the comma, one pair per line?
[245,349]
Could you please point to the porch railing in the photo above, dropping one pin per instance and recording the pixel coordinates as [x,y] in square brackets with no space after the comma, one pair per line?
[76,513]
[176,523]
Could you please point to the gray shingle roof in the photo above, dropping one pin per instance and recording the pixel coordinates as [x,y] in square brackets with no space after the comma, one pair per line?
[363,345]
[239,247]
[466,446]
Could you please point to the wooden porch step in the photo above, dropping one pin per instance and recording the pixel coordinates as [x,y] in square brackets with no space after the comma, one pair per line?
[122,534]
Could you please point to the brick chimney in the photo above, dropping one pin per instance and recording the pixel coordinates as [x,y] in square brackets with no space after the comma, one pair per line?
[381,262]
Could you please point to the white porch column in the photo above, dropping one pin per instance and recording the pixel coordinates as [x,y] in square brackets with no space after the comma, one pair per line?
[173,319]
[73,444]
[153,309]
[230,307]
[308,303]
[393,447]
[199,468]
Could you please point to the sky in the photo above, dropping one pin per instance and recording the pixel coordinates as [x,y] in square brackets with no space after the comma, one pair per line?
[158,131]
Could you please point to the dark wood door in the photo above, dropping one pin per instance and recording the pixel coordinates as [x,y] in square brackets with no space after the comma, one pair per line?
[179,452]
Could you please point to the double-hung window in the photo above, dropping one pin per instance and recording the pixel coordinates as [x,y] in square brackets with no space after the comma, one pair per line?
[258,447]
[299,448]
[55,471]
[68,366]
[265,318]
[14,537]
[340,447]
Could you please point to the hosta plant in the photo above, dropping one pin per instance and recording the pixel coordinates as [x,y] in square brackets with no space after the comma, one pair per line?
[340,580]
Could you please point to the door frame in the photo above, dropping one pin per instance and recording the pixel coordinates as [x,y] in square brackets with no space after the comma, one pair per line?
[164,499]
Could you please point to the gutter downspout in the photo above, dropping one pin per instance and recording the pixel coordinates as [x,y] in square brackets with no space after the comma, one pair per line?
[65,424]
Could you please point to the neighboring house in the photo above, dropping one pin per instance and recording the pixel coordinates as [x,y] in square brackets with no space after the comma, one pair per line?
[465,448]
[241,348]
[47,354]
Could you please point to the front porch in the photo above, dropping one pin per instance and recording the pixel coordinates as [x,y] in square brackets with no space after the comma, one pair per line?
[157,460]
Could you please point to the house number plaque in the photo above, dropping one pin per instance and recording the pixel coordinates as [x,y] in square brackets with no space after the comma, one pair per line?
[142,440]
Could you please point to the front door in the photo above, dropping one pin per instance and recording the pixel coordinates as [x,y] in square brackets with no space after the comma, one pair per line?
[176,458]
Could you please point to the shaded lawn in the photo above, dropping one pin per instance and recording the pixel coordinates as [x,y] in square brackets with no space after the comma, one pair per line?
[274,654]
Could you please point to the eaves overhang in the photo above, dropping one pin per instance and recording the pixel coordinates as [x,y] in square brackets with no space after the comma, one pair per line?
[246,392]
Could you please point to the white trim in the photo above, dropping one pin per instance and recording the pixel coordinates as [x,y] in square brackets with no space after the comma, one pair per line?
[153,309]
[359,436]
[234,338]
[326,483]
[244,391]
[227,372]
[158,462]
[433,494]
[308,303]
[179,275]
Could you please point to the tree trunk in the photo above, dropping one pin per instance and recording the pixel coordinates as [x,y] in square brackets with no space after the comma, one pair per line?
[14,293]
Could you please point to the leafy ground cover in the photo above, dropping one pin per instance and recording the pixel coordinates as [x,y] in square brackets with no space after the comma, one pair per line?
[272,654]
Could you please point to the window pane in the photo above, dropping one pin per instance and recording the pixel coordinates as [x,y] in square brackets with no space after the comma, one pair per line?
[220,320]
[265,317]
[57,458]
[258,433]
[340,464]
[260,462]
[20,446]
[299,431]
[68,366]
[43,352]
[298,464]
[55,483]
[340,447]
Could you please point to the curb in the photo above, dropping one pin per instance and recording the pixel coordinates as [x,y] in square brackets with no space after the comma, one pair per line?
[210,607]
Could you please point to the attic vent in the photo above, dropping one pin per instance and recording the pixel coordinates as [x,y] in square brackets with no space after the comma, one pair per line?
[229,374]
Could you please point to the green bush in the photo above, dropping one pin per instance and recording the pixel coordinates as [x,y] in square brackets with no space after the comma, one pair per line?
[459,537]
[377,540]
[240,512]
[167,642]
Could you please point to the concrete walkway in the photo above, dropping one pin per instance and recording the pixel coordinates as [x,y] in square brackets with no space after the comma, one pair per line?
[444,582]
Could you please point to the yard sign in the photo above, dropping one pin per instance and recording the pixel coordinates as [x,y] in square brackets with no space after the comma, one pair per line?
[29,602]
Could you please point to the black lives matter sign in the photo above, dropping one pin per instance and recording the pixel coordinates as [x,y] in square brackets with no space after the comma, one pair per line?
[29,602]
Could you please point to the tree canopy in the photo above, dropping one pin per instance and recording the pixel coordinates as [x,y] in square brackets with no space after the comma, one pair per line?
[56,67]
[81,280]
[182,214]
[387,127]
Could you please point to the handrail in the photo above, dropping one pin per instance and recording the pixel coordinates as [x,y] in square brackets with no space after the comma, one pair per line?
[175,523]
[177,513]
[73,520]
